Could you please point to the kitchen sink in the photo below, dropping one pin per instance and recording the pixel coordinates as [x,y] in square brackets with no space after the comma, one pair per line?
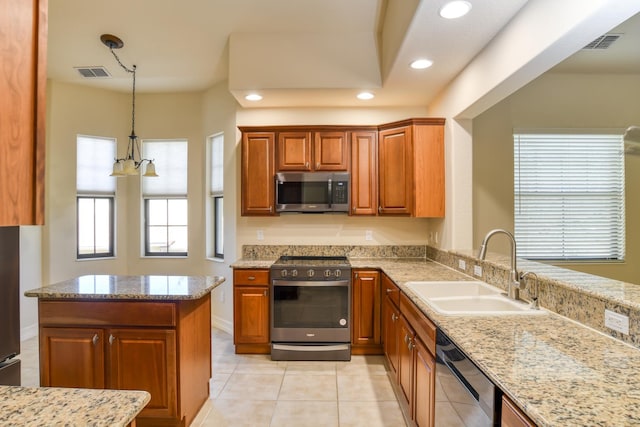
[468,298]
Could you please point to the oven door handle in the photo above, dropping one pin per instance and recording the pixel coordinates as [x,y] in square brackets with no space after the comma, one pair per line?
[309,283]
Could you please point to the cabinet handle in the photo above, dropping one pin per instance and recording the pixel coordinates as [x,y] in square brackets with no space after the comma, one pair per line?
[251,278]
[394,317]
[379,209]
[356,275]
[270,209]
[318,165]
[266,293]
[95,339]
[111,339]
[354,209]
[390,290]
[411,345]
[406,339]
[306,165]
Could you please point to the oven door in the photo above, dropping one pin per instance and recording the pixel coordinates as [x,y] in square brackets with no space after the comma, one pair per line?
[310,311]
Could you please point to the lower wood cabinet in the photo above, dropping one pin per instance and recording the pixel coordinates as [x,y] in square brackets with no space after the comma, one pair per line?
[160,347]
[251,311]
[366,337]
[512,416]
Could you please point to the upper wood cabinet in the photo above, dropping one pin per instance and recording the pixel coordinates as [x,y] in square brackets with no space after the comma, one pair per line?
[411,168]
[306,150]
[257,173]
[364,173]
[23,54]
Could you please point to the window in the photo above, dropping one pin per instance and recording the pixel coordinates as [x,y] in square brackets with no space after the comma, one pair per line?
[95,197]
[569,196]
[165,199]
[216,187]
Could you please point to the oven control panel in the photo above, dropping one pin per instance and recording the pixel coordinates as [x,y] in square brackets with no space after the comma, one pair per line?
[312,273]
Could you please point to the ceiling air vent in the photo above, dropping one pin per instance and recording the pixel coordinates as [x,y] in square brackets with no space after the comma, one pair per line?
[93,72]
[603,42]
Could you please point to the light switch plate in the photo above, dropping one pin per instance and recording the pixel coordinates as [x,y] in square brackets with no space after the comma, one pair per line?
[477,270]
[368,235]
[616,321]
[260,235]
[462,265]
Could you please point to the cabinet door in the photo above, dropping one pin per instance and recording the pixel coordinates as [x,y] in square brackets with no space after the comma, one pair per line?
[428,151]
[390,322]
[251,315]
[23,54]
[331,151]
[364,173]
[72,357]
[294,151]
[396,171]
[512,416]
[424,388]
[257,173]
[365,308]
[405,359]
[145,359]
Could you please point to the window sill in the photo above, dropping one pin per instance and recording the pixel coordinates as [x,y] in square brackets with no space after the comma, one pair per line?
[215,259]
[98,258]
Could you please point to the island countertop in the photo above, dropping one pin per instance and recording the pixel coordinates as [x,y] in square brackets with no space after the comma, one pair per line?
[34,406]
[117,287]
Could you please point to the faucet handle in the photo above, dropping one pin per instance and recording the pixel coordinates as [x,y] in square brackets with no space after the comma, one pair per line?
[532,290]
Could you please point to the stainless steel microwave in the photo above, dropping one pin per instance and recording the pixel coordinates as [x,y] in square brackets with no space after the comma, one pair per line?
[312,192]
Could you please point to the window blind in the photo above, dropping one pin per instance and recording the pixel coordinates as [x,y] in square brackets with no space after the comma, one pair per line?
[569,196]
[94,163]
[170,158]
[217,164]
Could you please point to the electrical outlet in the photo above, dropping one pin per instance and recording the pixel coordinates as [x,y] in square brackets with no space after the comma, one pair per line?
[436,238]
[616,321]
[462,265]
[260,234]
[221,296]
[368,235]
[477,270]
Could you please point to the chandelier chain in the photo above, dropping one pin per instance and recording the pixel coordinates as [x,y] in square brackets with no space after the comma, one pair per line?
[133,97]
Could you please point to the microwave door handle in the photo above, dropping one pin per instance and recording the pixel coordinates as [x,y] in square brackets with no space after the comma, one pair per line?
[330,188]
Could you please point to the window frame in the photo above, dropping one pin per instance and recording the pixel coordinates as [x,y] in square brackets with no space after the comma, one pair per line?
[218,213]
[147,252]
[215,190]
[94,255]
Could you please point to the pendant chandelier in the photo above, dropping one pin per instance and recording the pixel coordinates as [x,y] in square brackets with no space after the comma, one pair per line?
[131,163]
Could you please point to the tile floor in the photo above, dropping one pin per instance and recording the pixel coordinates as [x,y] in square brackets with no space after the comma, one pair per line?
[252,390]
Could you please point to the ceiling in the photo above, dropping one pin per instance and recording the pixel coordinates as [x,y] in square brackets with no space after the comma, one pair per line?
[303,53]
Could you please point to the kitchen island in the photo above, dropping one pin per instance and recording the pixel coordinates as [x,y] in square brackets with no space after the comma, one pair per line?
[33,406]
[149,333]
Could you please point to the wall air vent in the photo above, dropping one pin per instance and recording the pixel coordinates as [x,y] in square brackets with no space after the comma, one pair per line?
[93,72]
[603,42]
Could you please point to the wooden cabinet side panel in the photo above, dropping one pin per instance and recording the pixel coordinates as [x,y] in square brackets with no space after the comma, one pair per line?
[364,173]
[145,359]
[366,308]
[429,170]
[22,111]
[395,171]
[251,315]
[257,173]
[331,151]
[424,388]
[72,357]
[512,416]
[294,151]
[194,356]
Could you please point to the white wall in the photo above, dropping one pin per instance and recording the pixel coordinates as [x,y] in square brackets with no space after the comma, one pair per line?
[555,101]
[30,278]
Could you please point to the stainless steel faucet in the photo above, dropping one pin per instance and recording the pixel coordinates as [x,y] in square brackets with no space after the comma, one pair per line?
[513,289]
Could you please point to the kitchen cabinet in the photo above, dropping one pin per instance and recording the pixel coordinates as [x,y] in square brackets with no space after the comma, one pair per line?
[257,176]
[306,150]
[251,311]
[410,354]
[411,168]
[160,347]
[512,416]
[364,173]
[365,308]
[23,54]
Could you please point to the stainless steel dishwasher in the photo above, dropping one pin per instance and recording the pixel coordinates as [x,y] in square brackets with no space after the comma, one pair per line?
[464,395]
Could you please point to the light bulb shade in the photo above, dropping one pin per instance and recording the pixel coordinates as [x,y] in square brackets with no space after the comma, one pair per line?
[130,167]
[631,139]
[117,169]
[151,170]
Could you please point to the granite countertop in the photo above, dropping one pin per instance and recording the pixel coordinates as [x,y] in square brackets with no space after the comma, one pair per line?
[558,371]
[129,287]
[33,406]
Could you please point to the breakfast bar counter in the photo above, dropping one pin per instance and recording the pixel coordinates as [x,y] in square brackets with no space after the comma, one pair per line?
[149,333]
[33,406]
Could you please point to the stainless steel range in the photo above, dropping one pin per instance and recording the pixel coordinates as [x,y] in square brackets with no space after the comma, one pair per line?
[310,308]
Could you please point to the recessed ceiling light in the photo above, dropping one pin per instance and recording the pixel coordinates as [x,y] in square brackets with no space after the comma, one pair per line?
[421,64]
[253,97]
[455,9]
[365,95]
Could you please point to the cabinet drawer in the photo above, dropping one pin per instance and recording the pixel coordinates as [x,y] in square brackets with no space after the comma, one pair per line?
[390,289]
[425,329]
[111,313]
[250,277]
